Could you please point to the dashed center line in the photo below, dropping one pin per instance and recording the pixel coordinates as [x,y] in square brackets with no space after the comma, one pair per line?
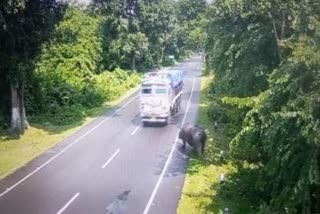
[136,130]
[110,159]
[66,148]
[68,203]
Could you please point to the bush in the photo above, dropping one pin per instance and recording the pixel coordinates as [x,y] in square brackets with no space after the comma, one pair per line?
[229,116]
[111,85]
[217,113]
[67,115]
[67,105]
[69,73]
[168,62]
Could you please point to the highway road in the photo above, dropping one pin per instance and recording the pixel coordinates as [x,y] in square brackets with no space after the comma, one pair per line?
[113,165]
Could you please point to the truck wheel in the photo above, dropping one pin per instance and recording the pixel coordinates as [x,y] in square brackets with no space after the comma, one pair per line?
[179,106]
[167,121]
[176,108]
[172,111]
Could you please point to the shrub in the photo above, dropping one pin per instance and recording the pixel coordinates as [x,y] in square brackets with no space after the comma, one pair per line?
[67,115]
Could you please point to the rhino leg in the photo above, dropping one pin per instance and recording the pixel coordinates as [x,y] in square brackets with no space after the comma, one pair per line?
[182,136]
[203,143]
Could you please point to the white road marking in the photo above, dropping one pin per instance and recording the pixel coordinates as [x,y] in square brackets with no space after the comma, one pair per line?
[136,130]
[51,152]
[110,159]
[68,203]
[155,190]
[66,148]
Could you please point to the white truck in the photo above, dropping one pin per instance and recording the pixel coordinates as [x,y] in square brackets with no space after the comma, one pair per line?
[160,96]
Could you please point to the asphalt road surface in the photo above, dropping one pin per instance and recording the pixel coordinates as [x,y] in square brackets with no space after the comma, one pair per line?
[111,166]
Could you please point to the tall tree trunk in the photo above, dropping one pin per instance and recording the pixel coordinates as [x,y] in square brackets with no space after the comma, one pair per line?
[158,62]
[19,120]
[24,121]
[162,54]
[279,34]
[16,127]
[307,203]
[133,61]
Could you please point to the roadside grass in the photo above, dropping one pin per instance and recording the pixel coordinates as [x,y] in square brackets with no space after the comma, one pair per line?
[203,193]
[17,152]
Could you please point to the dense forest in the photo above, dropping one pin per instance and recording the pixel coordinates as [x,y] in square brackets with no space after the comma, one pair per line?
[264,55]
[59,57]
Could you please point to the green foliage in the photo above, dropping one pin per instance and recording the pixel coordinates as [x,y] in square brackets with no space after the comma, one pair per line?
[67,64]
[191,9]
[202,191]
[191,32]
[75,61]
[69,70]
[159,22]
[265,57]
[66,115]
[240,102]
[225,116]
[110,85]
[142,38]
[24,26]
[125,46]
[168,62]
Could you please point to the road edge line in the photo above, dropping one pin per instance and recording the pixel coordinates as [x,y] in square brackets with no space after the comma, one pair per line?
[155,190]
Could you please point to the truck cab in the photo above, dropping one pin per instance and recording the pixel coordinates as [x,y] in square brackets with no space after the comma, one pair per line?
[155,101]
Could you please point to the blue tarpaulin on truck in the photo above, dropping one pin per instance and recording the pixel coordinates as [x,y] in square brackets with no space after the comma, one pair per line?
[175,76]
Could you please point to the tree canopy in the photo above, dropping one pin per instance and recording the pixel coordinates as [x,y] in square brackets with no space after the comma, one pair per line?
[56,55]
[265,56]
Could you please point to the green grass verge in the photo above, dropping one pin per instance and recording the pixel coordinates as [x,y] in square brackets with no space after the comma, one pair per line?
[202,192]
[15,153]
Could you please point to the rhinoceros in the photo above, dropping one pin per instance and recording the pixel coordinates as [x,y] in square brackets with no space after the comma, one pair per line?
[194,135]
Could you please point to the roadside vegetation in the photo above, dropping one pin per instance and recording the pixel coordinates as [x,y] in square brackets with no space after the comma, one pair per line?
[42,135]
[203,192]
[64,64]
[264,56]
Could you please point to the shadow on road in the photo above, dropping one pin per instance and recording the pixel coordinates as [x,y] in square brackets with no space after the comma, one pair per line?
[179,162]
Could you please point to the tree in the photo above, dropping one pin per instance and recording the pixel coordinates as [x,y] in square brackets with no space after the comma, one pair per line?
[192,19]
[158,21]
[191,9]
[24,25]
[151,22]
[265,56]
[125,48]
[126,41]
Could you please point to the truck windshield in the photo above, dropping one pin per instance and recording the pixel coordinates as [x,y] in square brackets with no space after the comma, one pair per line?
[146,91]
[161,91]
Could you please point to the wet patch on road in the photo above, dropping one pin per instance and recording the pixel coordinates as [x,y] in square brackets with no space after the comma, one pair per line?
[115,206]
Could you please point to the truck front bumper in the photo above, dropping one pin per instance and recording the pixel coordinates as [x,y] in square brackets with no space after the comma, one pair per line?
[154,117]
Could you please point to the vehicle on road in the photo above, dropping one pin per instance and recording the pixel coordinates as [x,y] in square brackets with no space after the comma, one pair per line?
[160,96]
